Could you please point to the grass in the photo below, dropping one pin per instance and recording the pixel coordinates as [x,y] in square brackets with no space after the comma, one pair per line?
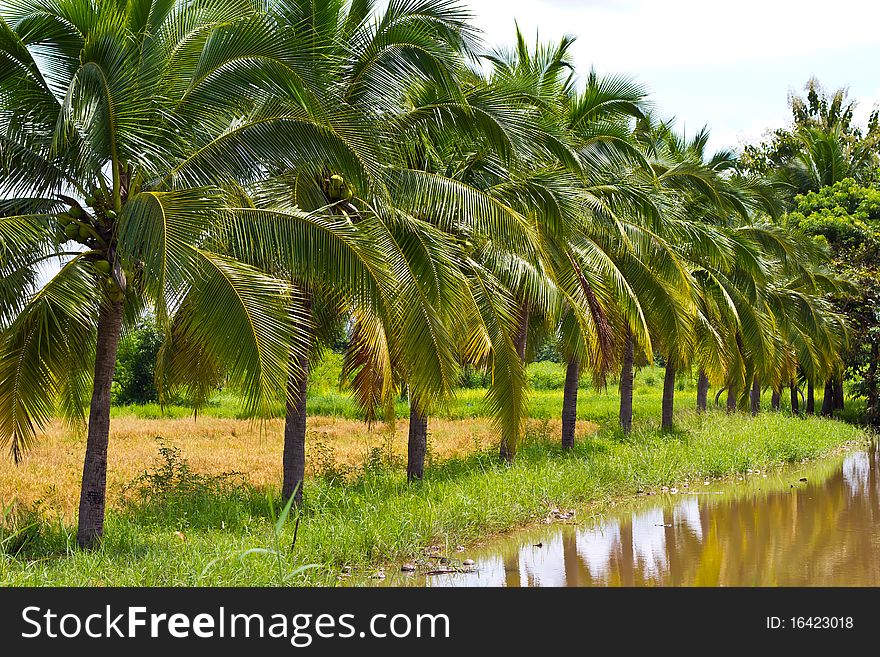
[181,523]
[546,381]
[49,477]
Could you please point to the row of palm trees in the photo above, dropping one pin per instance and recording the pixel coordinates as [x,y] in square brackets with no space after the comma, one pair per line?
[258,173]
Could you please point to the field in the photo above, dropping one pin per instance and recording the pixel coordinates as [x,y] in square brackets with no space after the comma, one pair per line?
[193,501]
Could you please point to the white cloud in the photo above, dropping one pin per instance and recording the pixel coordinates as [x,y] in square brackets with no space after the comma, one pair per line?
[726,64]
[644,35]
[864,106]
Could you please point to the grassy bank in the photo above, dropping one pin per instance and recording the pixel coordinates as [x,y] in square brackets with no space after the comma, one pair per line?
[180,526]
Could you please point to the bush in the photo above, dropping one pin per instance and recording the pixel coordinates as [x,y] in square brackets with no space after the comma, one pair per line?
[325,373]
[134,380]
[548,351]
[174,494]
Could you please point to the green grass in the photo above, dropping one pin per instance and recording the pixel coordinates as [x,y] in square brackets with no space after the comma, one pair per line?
[179,528]
[546,381]
[545,398]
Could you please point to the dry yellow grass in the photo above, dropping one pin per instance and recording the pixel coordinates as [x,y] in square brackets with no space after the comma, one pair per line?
[51,471]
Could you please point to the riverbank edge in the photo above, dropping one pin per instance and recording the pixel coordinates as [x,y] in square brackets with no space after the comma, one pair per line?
[595,511]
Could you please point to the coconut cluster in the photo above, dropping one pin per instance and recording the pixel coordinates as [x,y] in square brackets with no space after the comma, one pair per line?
[93,230]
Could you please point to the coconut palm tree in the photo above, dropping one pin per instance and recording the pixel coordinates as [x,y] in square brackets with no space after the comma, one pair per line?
[482,140]
[720,234]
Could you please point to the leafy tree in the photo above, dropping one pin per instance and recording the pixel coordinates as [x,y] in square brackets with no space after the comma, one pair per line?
[846,216]
[820,147]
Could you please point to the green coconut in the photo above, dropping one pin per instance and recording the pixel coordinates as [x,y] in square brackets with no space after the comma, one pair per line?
[84,232]
[336,186]
[102,267]
[71,230]
[76,212]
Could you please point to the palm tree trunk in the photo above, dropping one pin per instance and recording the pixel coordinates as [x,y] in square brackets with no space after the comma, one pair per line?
[417,445]
[570,402]
[828,399]
[626,385]
[508,443]
[668,397]
[811,398]
[776,399]
[731,398]
[293,459]
[838,394]
[294,455]
[795,399]
[755,397]
[92,499]
[702,392]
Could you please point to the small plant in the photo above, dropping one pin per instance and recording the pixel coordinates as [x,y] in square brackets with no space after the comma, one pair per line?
[322,458]
[382,457]
[21,528]
[278,550]
[173,493]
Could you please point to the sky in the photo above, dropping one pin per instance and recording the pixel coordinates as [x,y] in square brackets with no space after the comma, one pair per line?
[729,65]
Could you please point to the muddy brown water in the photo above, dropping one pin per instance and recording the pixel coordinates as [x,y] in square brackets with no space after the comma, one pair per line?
[766,530]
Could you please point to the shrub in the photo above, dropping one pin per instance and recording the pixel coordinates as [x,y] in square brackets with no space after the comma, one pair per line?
[134,380]
[174,494]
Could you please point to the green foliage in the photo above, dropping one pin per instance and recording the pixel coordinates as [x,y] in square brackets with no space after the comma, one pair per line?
[846,214]
[474,377]
[821,146]
[325,374]
[172,490]
[548,351]
[134,381]
[423,220]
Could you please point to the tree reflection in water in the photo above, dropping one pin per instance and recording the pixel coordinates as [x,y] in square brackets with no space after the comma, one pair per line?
[822,532]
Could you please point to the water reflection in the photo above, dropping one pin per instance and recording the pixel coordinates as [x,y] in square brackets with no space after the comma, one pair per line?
[822,532]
